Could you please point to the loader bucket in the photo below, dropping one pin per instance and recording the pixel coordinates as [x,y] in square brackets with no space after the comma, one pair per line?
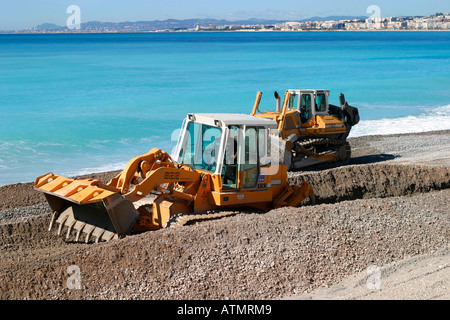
[86,209]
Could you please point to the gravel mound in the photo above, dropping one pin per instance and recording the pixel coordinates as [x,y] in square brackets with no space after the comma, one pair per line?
[422,277]
[373,181]
[248,256]
[18,213]
[376,211]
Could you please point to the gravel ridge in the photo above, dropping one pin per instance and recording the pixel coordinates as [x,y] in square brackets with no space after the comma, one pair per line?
[377,211]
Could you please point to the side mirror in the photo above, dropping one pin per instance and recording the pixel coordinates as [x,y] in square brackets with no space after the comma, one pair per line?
[277,96]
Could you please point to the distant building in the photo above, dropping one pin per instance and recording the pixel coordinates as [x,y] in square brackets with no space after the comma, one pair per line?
[437,21]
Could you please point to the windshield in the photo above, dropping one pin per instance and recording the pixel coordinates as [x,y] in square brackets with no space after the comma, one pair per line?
[201,146]
[293,102]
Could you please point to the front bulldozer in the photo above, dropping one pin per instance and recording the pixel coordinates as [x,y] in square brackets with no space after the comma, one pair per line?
[221,162]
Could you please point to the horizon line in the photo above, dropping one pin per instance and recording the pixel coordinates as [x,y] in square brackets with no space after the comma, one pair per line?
[310,19]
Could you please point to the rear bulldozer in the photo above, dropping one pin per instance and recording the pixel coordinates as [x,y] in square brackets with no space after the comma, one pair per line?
[314,131]
[222,163]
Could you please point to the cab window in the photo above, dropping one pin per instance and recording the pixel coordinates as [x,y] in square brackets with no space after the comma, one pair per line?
[254,148]
[321,102]
[230,163]
[293,102]
[251,160]
[202,146]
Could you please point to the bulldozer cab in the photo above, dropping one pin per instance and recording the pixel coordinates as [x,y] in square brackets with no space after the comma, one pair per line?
[233,146]
[309,103]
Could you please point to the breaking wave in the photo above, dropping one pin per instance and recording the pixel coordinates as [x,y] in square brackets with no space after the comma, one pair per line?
[432,119]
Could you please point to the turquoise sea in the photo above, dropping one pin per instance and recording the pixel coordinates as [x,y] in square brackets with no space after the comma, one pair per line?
[80,103]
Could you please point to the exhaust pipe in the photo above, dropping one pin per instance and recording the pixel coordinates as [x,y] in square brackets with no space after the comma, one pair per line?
[277,96]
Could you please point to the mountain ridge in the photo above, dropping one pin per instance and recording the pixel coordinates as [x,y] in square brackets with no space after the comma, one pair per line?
[153,25]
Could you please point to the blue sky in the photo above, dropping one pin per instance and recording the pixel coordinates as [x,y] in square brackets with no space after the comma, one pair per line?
[19,14]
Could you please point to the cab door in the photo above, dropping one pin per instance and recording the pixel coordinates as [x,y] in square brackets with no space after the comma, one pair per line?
[243,182]
[305,107]
[250,164]
[230,165]
[241,165]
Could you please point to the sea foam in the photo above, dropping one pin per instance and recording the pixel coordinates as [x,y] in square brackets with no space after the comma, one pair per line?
[432,119]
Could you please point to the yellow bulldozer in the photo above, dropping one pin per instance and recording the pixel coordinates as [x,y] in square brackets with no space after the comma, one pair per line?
[222,162]
[314,131]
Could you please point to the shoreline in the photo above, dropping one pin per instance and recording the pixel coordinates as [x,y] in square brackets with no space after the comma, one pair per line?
[364,137]
[106,174]
[216,31]
[430,148]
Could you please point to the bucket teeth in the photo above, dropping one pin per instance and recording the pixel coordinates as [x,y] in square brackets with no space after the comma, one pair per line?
[79,228]
[68,232]
[77,236]
[69,229]
[67,219]
[88,230]
[108,235]
[62,220]
[61,225]
[98,232]
[52,220]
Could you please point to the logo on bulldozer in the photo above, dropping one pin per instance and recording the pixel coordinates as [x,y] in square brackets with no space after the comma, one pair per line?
[171,175]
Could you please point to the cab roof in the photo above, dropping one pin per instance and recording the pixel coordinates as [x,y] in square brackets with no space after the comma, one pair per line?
[309,91]
[228,119]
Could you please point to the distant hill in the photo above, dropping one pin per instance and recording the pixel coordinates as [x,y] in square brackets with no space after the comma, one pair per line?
[174,24]
[332,18]
[48,26]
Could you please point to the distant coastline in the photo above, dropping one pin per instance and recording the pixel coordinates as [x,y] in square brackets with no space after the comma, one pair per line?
[212,31]
[436,22]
